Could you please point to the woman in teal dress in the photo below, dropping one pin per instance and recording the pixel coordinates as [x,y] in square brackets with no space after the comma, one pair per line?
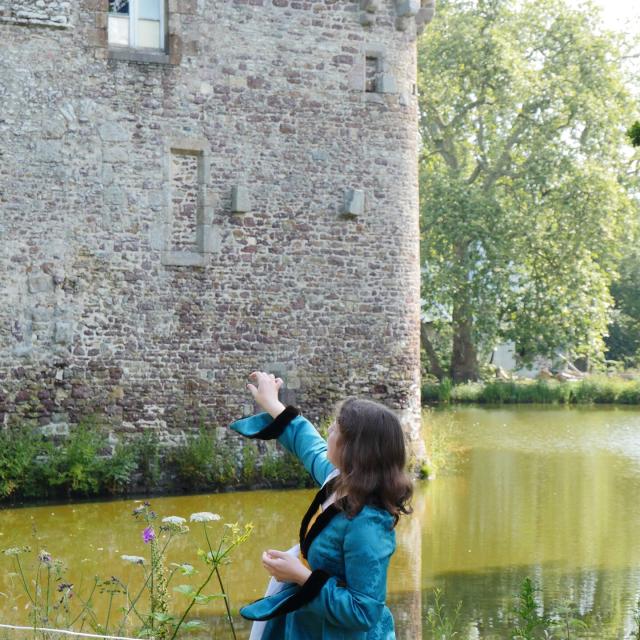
[334,586]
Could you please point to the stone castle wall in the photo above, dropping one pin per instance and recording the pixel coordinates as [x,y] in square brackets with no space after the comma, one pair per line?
[169,224]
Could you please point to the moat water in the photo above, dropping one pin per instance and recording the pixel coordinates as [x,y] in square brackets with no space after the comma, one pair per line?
[552,494]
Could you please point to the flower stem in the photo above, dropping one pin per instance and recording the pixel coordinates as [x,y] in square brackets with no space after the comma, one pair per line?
[87,607]
[226,599]
[36,593]
[106,624]
[184,615]
[24,582]
[46,614]
[133,604]
[226,604]
[86,604]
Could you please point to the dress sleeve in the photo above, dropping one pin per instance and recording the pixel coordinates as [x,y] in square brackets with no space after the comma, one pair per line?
[358,602]
[296,434]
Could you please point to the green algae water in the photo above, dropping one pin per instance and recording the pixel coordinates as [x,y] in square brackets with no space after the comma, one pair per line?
[548,493]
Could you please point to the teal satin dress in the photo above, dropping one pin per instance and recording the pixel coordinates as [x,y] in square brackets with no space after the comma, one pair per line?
[344,598]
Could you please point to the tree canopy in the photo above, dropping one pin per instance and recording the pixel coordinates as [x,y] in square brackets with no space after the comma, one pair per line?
[634,134]
[526,186]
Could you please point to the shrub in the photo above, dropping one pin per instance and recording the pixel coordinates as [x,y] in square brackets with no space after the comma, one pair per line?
[203,462]
[32,466]
[19,448]
[283,468]
[443,625]
[630,394]
[430,393]
[249,470]
[76,466]
[468,392]
[147,453]
[444,390]
[595,389]
[527,621]
[194,460]
[116,472]
[497,392]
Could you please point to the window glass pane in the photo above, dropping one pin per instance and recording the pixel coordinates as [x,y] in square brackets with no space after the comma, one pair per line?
[149,9]
[119,30]
[119,6]
[149,34]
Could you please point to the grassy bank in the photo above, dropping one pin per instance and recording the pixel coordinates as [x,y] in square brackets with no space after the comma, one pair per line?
[592,390]
[526,619]
[86,463]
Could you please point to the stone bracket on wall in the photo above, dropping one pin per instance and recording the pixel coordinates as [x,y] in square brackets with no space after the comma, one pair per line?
[240,199]
[420,11]
[353,203]
[206,240]
[425,14]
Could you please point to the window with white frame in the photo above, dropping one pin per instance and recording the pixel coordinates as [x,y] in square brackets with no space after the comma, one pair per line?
[138,24]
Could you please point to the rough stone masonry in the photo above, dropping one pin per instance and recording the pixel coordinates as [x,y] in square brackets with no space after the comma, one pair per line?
[245,198]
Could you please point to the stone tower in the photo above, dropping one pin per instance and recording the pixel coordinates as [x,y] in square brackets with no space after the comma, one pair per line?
[193,189]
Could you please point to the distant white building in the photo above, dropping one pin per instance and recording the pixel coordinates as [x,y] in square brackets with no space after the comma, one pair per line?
[504,356]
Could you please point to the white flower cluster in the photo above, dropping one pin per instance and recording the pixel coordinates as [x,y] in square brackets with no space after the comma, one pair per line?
[16,551]
[133,559]
[204,516]
[174,520]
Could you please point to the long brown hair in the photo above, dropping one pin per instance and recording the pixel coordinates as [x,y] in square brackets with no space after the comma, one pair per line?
[372,458]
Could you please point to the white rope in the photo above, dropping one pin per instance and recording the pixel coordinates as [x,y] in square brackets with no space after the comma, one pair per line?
[64,631]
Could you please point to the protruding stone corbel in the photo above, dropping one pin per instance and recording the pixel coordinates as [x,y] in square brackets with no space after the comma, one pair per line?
[407,8]
[368,9]
[420,11]
[240,199]
[425,14]
[353,205]
[370,6]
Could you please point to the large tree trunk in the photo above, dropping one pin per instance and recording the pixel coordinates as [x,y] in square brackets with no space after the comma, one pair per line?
[464,357]
[434,362]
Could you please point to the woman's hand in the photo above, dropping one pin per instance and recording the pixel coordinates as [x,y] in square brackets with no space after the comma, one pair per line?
[285,567]
[265,392]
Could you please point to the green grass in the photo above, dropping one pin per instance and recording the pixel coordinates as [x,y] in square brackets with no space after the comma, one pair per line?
[592,390]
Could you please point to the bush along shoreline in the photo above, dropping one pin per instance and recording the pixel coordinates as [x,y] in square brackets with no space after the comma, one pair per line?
[86,463]
[591,390]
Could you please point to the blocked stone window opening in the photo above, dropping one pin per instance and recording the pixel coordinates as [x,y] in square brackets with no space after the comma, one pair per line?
[189,235]
[186,169]
[137,24]
[371,73]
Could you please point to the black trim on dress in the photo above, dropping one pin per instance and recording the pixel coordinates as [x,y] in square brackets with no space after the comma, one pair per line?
[275,428]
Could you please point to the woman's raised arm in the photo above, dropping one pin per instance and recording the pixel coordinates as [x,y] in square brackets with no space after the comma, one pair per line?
[293,431]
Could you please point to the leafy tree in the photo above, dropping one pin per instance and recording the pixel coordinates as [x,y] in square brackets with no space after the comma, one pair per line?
[634,134]
[524,186]
[623,341]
